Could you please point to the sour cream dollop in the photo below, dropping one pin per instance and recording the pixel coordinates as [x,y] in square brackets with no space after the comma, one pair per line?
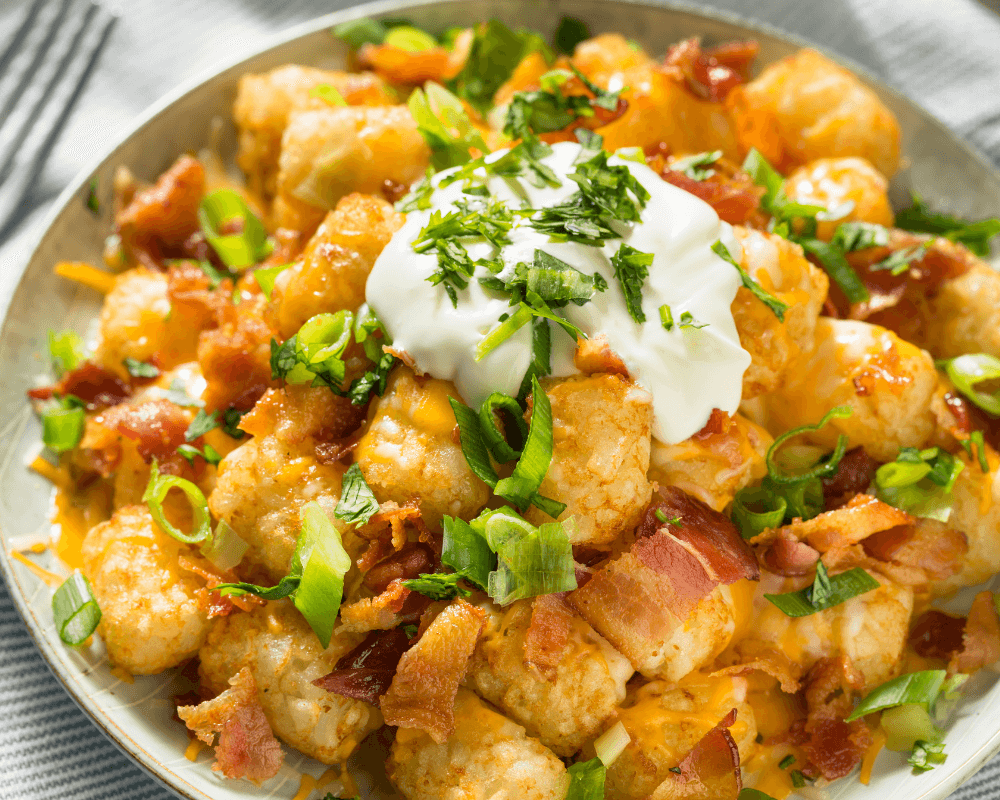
[688,371]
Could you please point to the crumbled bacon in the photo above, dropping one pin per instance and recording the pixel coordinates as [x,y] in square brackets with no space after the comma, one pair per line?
[928,545]
[735,199]
[981,637]
[96,386]
[397,65]
[547,634]
[718,422]
[833,746]
[393,606]
[712,73]
[854,475]
[860,518]
[367,671]
[246,747]
[937,635]
[710,771]
[218,605]
[390,519]
[409,562]
[757,655]
[788,556]
[235,359]
[422,694]
[594,355]
[157,426]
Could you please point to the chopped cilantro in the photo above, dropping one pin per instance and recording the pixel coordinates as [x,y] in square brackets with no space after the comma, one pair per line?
[438,585]
[631,269]
[698,166]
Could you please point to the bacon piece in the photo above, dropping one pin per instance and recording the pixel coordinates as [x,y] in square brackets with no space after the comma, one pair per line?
[547,634]
[247,747]
[981,638]
[736,200]
[218,605]
[842,527]
[833,746]
[392,607]
[789,557]
[409,562]
[94,385]
[397,65]
[937,635]
[711,74]
[928,545]
[711,771]
[719,422]
[854,475]
[367,671]
[392,517]
[235,359]
[157,426]
[168,210]
[422,694]
[756,655]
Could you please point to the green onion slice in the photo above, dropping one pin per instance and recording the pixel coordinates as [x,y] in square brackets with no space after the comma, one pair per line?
[242,249]
[66,350]
[534,563]
[226,548]
[357,504]
[75,610]
[851,236]
[411,39]
[323,562]
[826,592]
[438,585]
[751,522]
[265,277]
[63,423]
[358,32]
[156,492]
[926,755]
[328,94]
[969,370]
[833,262]
[920,688]
[492,434]
[474,448]
[586,780]
[502,332]
[777,307]
[467,552]
[827,467]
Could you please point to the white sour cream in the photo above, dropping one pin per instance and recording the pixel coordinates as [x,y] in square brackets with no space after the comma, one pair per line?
[688,371]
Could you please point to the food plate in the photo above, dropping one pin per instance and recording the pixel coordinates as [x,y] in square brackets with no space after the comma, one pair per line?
[137,715]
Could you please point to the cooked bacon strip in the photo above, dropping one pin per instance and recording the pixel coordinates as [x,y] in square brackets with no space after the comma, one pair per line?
[247,747]
[413,560]
[711,771]
[367,671]
[711,74]
[928,545]
[937,635]
[736,200]
[94,385]
[397,65]
[157,426]
[981,638]
[842,527]
[789,557]
[754,655]
[393,606]
[392,517]
[422,694]
[854,475]
[218,605]
[833,746]
[168,210]
[547,634]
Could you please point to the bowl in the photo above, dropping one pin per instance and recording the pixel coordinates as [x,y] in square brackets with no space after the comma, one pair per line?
[137,716]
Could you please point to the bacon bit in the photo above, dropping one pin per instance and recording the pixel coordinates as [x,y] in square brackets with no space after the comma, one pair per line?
[167,211]
[367,671]
[594,355]
[789,557]
[937,635]
[735,199]
[981,638]
[854,475]
[393,192]
[392,517]
[711,771]
[235,359]
[842,527]
[833,746]
[711,74]
[94,385]
[718,423]
[218,605]
[929,545]
[422,694]
[247,747]
[394,606]
[547,634]
[331,452]
[157,426]
[190,294]
[767,660]
[409,562]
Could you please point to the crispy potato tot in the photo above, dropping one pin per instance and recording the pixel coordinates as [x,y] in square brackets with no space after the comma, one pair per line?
[334,268]
[665,723]
[806,107]
[832,182]
[284,656]
[563,713]
[781,268]
[264,103]
[488,757]
[151,617]
[888,384]
[963,316]
[605,58]
[601,479]
[409,453]
[327,153]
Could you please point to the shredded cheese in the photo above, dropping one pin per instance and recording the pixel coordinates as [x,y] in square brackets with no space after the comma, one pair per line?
[306,785]
[193,749]
[878,742]
[56,475]
[50,578]
[84,273]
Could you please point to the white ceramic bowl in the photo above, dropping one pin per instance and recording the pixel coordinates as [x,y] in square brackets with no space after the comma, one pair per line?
[137,716]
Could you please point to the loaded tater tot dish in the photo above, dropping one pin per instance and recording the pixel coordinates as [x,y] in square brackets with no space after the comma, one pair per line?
[583,422]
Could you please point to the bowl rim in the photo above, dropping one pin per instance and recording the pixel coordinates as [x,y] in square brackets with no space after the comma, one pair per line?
[373,8]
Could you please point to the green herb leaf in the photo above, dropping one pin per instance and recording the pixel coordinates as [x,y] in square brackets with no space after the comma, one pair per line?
[141,369]
[243,249]
[688,321]
[409,38]
[569,33]
[473,445]
[447,129]
[824,593]
[190,452]
[156,492]
[75,610]
[899,262]
[833,262]
[631,269]
[265,278]
[922,688]
[419,196]
[466,552]
[974,235]
[826,467]
[93,204]
[328,93]
[975,446]
[438,585]
[374,380]
[357,504]
[231,418]
[666,317]
[926,756]
[358,32]
[586,780]
[777,307]
[919,482]
[851,236]
[697,167]
[541,352]
[201,424]
[66,351]
[775,201]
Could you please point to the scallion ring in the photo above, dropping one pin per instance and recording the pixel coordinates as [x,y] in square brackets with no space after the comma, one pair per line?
[497,443]
[969,370]
[826,468]
[156,492]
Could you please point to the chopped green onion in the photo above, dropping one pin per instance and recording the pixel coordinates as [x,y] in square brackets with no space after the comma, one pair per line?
[190,452]
[201,424]
[969,370]
[666,317]
[494,438]
[438,585]
[242,249]
[442,121]
[698,166]
[826,592]
[974,235]
[687,320]
[467,552]
[899,262]
[225,550]
[569,33]
[534,563]
[265,277]
[920,482]
[66,351]
[775,201]
[63,423]
[751,522]
[314,355]
[833,262]
[586,780]
[631,269]
[75,610]
[500,334]
[786,762]
[358,32]
[920,688]
[976,443]
[408,38]
[675,521]
[357,504]
[329,94]
[777,307]
[851,236]
[541,352]
[156,492]
[473,445]
[141,369]
[926,756]
[798,778]
[823,469]
[905,725]
[610,744]
[231,419]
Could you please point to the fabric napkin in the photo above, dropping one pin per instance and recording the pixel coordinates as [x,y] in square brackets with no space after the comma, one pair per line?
[942,53]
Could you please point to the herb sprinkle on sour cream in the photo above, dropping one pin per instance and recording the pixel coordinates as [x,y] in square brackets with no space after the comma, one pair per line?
[590,245]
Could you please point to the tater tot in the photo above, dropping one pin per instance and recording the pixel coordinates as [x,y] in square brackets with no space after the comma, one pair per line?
[963,316]
[488,757]
[606,57]
[264,102]
[327,153]
[781,268]
[713,467]
[887,382]
[151,618]
[409,453]
[806,107]
[332,272]
[833,182]
[664,723]
[563,713]
[281,651]
[601,479]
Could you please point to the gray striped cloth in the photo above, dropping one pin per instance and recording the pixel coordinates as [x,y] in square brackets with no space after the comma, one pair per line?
[943,53]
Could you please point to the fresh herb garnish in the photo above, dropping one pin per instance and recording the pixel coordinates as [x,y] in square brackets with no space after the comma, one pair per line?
[190,452]
[851,236]
[777,307]
[899,262]
[265,277]
[314,355]
[328,94]
[919,482]
[357,504]
[141,369]
[631,269]
[825,592]
[569,33]
[975,446]
[223,208]
[419,196]
[699,166]
[66,351]
[75,610]
[447,129]
[974,235]
[92,202]
[438,585]
[159,487]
